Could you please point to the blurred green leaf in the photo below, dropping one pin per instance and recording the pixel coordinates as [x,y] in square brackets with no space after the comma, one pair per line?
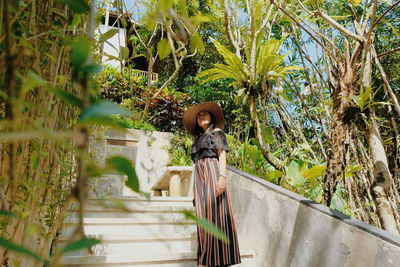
[33,134]
[198,19]
[163,48]
[164,5]
[149,21]
[124,52]
[206,225]
[66,96]
[123,22]
[351,169]
[107,35]
[197,43]
[33,80]
[268,135]
[80,52]
[338,203]
[274,176]
[124,166]
[35,162]
[93,68]
[100,111]
[92,170]
[10,245]
[182,8]
[80,244]
[8,214]
[314,172]
[76,20]
[295,178]
[78,6]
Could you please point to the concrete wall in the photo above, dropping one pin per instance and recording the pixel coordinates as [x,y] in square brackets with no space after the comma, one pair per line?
[115,48]
[148,151]
[285,229]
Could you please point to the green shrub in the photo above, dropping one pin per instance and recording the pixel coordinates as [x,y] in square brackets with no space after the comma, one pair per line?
[117,86]
[134,124]
[129,90]
[179,151]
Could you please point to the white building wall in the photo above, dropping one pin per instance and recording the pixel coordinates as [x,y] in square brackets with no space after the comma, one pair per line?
[112,46]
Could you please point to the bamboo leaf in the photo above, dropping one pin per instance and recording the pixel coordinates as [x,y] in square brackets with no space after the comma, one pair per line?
[124,166]
[107,35]
[80,244]
[15,136]
[80,52]
[100,110]
[78,6]
[163,48]
[66,96]
[10,245]
[93,68]
[9,214]
[206,225]
[76,20]
[33,80]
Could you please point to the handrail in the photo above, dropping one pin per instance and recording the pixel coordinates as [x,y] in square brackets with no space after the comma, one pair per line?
[286,229]
[387,236]
[154,75]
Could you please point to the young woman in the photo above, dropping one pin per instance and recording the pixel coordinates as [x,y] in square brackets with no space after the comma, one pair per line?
[211,196]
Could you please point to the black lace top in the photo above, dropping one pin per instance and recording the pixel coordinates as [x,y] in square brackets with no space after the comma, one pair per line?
[207,145]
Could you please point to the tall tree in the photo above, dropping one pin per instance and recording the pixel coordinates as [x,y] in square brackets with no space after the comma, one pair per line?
[350,58]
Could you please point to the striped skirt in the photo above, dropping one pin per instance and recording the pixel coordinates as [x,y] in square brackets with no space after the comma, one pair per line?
[217,210]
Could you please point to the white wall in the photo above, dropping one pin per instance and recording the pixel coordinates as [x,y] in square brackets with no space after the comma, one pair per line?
[150,157]
[113,41]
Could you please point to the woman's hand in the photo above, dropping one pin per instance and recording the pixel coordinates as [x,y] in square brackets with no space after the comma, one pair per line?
[222,181]
[221,185]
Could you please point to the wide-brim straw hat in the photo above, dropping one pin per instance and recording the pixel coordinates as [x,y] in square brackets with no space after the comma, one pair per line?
[190,116]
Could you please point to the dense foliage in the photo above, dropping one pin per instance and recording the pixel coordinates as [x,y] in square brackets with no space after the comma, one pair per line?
[309,90]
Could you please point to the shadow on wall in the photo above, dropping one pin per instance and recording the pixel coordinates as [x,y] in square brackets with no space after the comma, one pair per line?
[288,230]
[305,245]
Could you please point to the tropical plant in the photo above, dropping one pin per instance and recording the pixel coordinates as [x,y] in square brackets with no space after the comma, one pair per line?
[252,81]
[180,149]
[166,30]
[268,66]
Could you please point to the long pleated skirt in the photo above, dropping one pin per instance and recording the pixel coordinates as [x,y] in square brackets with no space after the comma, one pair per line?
[217,210]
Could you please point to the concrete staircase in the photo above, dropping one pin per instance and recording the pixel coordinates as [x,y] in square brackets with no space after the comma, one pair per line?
[145,233]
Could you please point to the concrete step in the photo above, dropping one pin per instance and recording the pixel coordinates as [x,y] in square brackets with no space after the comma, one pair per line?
[179,259]
[135,203]
[163,213]
[115,226]
[123,244]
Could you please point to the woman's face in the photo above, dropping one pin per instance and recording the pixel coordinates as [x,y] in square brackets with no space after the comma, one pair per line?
[203,119]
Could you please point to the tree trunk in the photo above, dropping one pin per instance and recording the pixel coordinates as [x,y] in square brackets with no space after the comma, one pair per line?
[265,149]
[382,178]
[340,129]
[149,85]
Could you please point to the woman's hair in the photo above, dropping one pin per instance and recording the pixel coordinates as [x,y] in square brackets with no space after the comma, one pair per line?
[198,131]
